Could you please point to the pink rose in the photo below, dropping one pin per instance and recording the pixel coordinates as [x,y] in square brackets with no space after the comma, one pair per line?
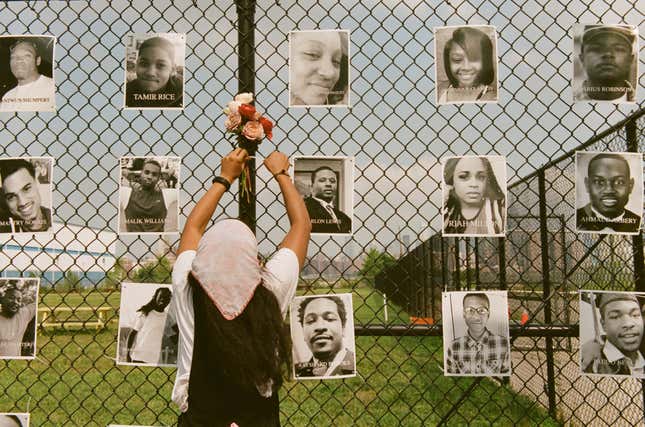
[233,121]
[253,130]
[233,106]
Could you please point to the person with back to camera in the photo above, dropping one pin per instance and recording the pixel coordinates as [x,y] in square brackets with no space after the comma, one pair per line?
[157,84]
[609,185]
[606,54]
[233,347]
[475,202]
[323,322]
[325,217]
[470,67]
[319,68]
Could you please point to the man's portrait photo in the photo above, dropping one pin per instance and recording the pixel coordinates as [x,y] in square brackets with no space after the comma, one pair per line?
[27,73]
[18,308]
[611,333]
[475,334]
[319,68]
[15,419]
[466,64]
[605,63]
[154,71]
[148,332]
[609,192]
[326,184]
[26,190]
[322,332]
[148,195]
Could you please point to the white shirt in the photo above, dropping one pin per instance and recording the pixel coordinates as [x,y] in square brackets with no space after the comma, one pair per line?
[279,275]
[150,327]
[13,328]
[38,95]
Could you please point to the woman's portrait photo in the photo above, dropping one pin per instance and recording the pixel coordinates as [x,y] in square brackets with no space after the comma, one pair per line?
[319,68]
[154,71]
[466,64]
[147,329]
[474,196]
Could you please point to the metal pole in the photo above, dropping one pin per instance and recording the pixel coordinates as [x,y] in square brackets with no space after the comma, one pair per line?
[246,83]
[546,292]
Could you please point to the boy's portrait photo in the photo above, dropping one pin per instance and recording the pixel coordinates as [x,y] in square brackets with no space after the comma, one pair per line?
[18,309]
[154,71]
[27,73]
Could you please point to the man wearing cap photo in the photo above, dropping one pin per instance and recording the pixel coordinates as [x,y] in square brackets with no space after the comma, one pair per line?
[609,185]
[607,57]
[622,323]
[33,91]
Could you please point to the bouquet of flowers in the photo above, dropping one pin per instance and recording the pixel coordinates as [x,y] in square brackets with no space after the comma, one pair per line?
[243,120]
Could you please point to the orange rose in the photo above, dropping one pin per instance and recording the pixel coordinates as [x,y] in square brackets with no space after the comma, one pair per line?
[247,111]
[267,126]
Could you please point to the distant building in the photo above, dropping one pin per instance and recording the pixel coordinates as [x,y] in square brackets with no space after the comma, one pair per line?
[87,252]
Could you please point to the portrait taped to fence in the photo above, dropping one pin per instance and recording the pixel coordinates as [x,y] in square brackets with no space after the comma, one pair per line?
[474,196]
[319,68]
[475,334]
[611,333]
[27,73]
[14,419]
[466,64]
[154,71]
[18,309]
[605,63]
[148,332]
[148,195]
[609,192]
[326,184]
[322,332]
[26,188]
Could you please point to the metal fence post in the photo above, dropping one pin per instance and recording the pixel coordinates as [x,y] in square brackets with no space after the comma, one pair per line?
[546,290]
[246,83]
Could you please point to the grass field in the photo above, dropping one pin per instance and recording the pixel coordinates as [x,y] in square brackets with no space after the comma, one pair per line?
[75,381]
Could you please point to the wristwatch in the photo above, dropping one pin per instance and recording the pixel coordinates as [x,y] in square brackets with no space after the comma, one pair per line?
[223,181]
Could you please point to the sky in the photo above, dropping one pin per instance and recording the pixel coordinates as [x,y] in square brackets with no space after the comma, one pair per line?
[394,129]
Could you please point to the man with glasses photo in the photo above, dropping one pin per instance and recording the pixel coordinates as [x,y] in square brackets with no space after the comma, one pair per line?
[609,185]
[479,352]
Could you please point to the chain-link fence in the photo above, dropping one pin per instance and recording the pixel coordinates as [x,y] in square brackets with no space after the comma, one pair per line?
[397,135]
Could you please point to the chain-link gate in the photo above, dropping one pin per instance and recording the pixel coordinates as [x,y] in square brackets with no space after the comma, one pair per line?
[396,133]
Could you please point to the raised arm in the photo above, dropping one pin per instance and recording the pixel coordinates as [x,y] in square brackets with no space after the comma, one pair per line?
[297,239]
[232,165]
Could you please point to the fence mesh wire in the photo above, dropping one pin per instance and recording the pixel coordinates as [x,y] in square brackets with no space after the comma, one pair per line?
[396,133]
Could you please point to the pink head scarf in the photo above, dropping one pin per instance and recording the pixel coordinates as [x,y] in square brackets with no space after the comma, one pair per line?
[227,267]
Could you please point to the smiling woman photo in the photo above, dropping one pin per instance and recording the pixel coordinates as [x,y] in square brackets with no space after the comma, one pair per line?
[474,201]
[319,68]
[469,67]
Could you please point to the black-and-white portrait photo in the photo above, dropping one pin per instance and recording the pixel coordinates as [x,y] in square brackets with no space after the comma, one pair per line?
[18,309]
[474,196]
[27,73]
[148,195]
[609,192]
[26,189]
[466,64]
[326,184]
[611,333]
[148,332]
[319,68]
[475,333]
[322,331]
[605,63]
[14,419]
[154,71]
